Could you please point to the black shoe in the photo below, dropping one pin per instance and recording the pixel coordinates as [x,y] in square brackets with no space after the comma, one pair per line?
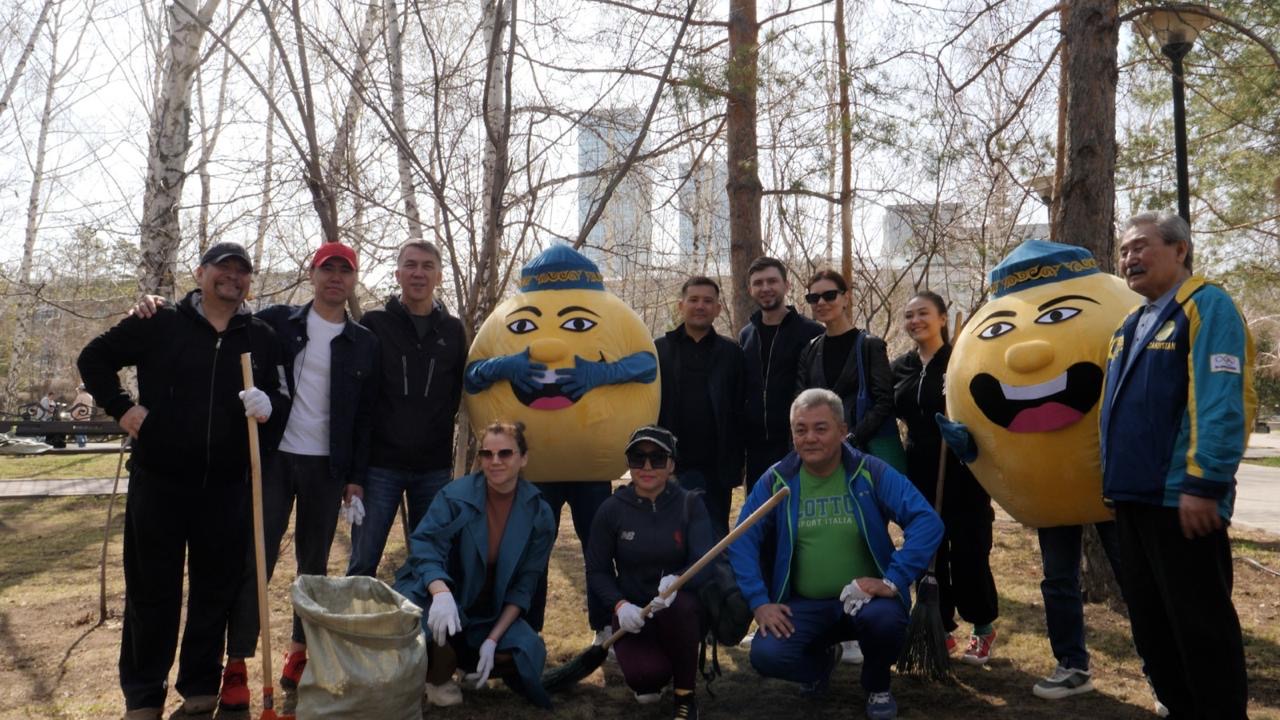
[686,707]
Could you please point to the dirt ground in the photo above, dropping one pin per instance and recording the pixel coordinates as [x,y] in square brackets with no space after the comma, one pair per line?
[57,661]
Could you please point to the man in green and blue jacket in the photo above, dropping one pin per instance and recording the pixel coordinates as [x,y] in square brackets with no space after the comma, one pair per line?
[1177,408]
[821,568]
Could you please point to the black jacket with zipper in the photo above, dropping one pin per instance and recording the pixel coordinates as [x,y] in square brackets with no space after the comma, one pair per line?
[419,389]
[353,364]
[769,376]
[189,380]
[810,373]
[724,390]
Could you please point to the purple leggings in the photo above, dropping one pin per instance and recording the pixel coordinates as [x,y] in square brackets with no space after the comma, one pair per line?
[665,649]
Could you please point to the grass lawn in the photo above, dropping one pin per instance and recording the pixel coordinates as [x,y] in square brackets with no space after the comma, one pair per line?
[1267,461]
[53,466]
[56,661]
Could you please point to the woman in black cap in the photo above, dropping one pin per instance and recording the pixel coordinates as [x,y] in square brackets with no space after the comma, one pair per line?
[643,537]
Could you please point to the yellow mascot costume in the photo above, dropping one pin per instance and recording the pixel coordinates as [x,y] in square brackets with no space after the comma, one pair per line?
[569,360]
[1025,383]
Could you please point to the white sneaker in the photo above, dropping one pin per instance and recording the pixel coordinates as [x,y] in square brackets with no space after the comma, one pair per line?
[851,652]
[445,695]
[1064,682]
[1162,710]
[648,698]
[746,641]
[602,636]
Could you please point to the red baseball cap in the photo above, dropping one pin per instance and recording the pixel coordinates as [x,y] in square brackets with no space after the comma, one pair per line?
[334,250]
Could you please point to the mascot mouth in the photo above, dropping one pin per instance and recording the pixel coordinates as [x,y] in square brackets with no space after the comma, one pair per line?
[1044,407]
[547,397]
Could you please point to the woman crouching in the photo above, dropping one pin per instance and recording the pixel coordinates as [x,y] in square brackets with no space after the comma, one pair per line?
[643,537]
[473,564]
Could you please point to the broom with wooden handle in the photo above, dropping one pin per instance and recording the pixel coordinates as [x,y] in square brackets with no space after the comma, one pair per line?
[260,554]
[570,673]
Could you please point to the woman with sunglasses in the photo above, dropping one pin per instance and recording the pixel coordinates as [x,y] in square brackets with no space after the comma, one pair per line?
[965,583]
[643,537]
[473,564]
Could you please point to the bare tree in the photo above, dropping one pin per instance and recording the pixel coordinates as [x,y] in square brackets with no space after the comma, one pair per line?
[12,81]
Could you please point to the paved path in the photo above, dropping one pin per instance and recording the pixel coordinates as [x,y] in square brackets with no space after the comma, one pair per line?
[55,488]
[1258,497]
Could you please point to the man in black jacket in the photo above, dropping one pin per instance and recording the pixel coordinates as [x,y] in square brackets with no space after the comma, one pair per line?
[702,399]
[771,345]
[424,352]
[188,492]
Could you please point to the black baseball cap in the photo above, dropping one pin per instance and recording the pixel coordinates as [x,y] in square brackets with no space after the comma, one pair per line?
[223,250]
[655,434]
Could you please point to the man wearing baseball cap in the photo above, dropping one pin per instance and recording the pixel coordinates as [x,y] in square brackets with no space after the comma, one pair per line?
[189,496]
[328,367]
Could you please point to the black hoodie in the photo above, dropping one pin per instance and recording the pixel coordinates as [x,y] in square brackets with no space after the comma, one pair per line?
[419,390]
[189,380]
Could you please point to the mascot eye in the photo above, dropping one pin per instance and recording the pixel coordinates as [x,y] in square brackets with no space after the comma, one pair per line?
[995,330]
[578,324]
[1057,315]
[522,326]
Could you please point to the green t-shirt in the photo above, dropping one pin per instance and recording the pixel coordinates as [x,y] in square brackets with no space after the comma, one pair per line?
[830,549]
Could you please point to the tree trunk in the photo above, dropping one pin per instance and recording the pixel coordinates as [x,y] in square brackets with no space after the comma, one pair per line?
[395,61]
[1060,149]
[167,147]
[209,141]
[1086,211]
[26,299]
[341,161]
[264,210]
[12,82]
[846,151]
[743,183]
[1098,583]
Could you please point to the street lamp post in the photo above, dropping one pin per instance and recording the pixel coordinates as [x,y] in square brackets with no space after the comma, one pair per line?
[1176,29]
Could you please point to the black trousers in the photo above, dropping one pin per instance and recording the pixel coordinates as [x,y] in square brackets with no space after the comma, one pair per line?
[965,582]
[761,454]
[1184,623]
[173,522]
[583,499]
[287,477]
[715,496]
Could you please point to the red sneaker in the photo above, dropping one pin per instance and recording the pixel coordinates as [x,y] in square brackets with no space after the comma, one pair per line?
[979,650]
[951,644]
[235,687]
[294,664]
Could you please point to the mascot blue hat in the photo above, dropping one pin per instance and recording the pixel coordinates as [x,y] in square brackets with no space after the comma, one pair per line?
[560,267]
[1037,262]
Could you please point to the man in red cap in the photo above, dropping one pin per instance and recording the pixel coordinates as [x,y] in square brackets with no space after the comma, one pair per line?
[329,362]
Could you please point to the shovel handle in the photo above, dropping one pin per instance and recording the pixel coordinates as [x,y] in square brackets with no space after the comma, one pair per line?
[709,556]
[259,549]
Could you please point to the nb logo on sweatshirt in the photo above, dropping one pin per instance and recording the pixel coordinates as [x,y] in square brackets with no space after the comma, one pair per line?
[627,535]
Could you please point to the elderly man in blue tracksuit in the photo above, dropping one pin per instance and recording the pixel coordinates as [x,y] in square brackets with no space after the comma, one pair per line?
[835,574]
[1177,408]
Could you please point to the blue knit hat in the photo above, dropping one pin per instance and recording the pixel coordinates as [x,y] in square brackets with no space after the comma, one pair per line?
[560,267]
[1039,262]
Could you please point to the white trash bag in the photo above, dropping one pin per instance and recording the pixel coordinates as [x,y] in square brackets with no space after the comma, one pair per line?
[366,654]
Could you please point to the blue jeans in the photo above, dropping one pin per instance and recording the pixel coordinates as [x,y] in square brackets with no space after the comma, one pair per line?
[880,628]
[1060,551]
[383,488]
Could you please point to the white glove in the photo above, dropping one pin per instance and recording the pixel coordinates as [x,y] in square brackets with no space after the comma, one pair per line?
[484,665]
[256,403]
[353,512]
[442,618]
[853,597]
[630,618]
[659,602]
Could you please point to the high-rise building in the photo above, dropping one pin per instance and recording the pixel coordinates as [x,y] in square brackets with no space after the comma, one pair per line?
[621,241]
[704,217]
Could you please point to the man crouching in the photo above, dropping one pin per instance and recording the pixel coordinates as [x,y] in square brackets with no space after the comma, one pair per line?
[835,574]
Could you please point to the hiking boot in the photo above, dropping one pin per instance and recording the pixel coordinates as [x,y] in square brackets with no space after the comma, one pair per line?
[851,652]
[445,695]
[294,663]
[234,696]
[686,708]
[1064,682]
[881,706]
[979,650]
[144,714]
[819,687]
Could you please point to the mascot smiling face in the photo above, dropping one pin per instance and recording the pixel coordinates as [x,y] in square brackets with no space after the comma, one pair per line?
[569,360]
[1026,379]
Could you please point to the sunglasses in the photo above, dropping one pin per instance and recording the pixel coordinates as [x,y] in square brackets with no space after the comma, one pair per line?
[657,459]
[503,454]
[829,296]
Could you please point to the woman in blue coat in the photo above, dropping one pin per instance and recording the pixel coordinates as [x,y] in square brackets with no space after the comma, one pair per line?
[473,564]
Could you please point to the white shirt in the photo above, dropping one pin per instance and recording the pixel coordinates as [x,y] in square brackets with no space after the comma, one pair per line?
[307,432]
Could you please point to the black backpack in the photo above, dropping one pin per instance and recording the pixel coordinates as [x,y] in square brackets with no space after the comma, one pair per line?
[725,615]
